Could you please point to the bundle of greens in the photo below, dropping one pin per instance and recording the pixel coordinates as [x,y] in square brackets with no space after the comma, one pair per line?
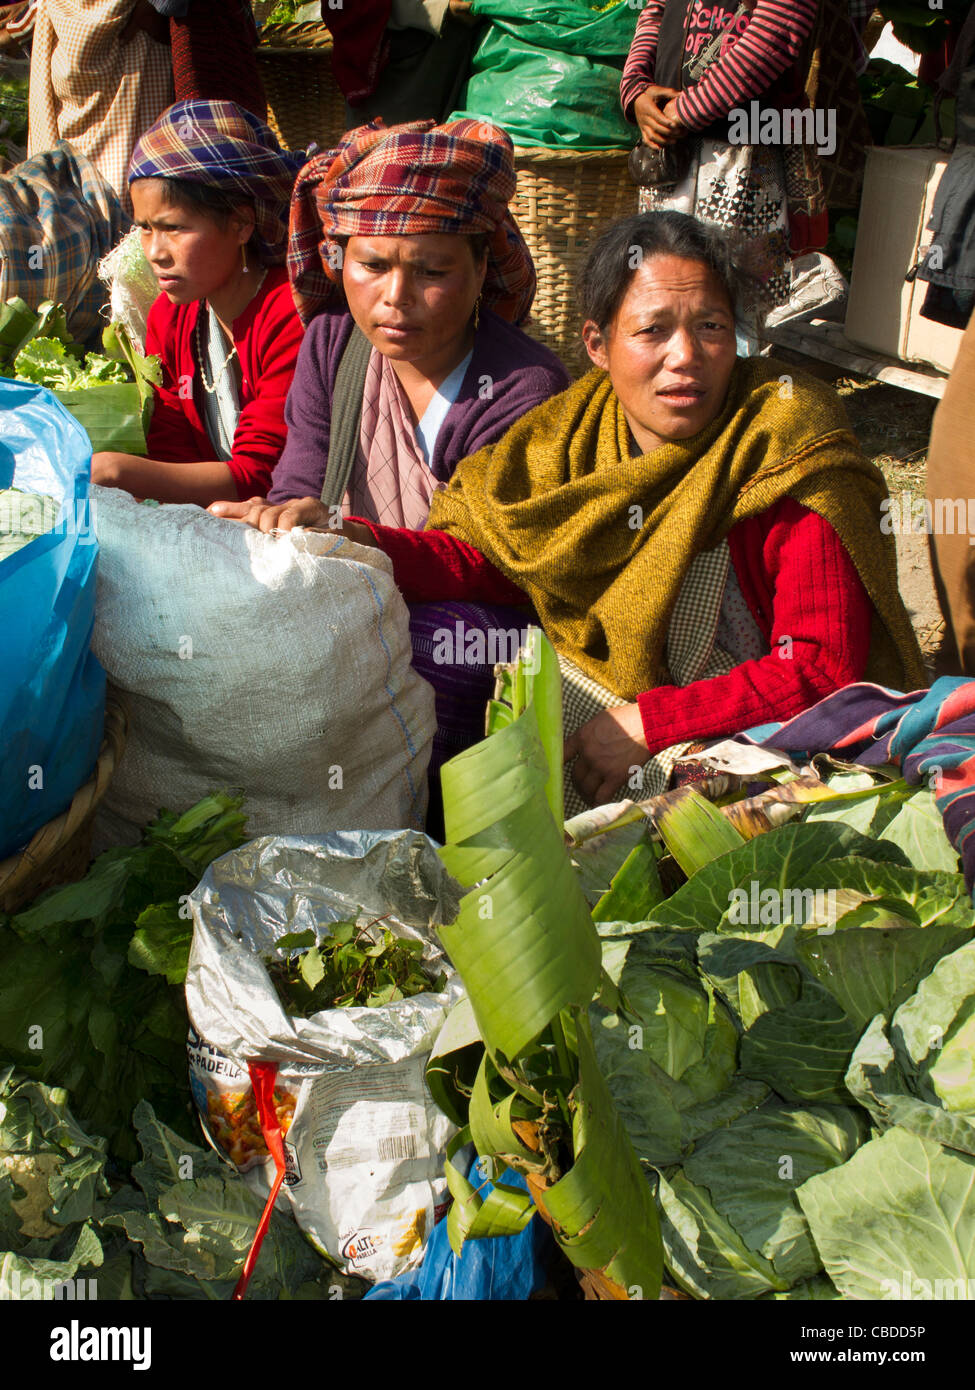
[47,362]
[348,969]
[788,1038]
[179,1230]
[38,347]
[89,974]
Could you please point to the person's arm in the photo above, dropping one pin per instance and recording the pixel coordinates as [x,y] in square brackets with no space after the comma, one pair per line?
[638,69]
[432,565]
[807,597]
[427,565]
[201,483]
[819,637]
[776,32]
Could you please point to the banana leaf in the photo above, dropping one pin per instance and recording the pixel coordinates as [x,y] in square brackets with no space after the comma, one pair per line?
[112,415]
[526,948]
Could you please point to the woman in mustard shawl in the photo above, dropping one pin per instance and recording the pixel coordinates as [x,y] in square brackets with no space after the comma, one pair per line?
[698,534]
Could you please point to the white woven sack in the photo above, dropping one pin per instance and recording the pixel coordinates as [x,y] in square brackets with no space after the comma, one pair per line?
[276,665]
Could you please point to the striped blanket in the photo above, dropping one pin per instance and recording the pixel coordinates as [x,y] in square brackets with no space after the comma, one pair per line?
[928,734]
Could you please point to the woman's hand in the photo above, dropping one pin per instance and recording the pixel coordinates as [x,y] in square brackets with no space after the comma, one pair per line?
[606,750]
[284,516]
[275,516]
[651,108]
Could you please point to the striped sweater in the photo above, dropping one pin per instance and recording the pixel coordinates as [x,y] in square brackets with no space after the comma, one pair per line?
[770,40]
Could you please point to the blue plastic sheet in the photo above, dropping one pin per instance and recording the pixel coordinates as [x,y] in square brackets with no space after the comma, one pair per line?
[52,690]
[505,1268]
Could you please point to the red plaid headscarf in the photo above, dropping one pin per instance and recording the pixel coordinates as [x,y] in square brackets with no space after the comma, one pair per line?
[403,181]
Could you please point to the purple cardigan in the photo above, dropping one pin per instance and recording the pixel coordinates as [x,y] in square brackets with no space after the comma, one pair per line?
[521,372]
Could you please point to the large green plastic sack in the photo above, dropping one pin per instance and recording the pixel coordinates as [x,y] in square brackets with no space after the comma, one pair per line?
[550,74]
[572,26]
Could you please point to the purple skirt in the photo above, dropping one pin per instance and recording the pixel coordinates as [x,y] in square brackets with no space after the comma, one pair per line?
[455,648]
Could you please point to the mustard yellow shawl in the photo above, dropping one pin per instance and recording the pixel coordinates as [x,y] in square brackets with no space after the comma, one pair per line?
[601,541]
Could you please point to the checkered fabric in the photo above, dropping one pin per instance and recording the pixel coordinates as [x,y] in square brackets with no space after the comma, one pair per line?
[692,655]
[92,90]
[404,181]
[58,218]
[221,144]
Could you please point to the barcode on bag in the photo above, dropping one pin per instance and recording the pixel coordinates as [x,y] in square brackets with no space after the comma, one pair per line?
[397,1146]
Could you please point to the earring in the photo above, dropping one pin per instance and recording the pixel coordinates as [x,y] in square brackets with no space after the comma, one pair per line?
[243,256]
[477,314]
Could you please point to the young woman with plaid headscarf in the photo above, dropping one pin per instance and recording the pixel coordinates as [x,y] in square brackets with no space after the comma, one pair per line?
[210,188]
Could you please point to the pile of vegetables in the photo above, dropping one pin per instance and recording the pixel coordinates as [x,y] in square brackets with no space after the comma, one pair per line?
[90,975]
[782,1034]
[790,1082]
[351,967]
[728,1042]
[115,1189]
[110,394]
[179,1229]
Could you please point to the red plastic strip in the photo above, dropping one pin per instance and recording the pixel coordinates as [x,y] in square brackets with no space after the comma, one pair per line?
[262,1076]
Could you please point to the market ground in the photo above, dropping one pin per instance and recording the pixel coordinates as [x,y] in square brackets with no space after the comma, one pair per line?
[894,427]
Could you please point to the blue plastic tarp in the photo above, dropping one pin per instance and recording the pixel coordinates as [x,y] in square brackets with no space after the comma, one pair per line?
[52,690]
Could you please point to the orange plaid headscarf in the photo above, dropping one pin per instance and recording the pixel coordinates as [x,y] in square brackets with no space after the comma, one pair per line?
[403,181]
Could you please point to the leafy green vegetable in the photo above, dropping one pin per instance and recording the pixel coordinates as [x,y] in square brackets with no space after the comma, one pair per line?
[350,967]
[526,948]
[897,1220]
[181,1229]
[47,362]
[77,1006]
[805,940]
[916,1071]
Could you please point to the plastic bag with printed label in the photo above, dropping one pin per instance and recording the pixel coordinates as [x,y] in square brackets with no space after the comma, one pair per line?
[364,1141]
[52,689]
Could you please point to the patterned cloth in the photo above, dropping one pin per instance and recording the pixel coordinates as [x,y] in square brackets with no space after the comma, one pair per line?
[58,217]
[692,654]
[391,482]
[89,88]
[928,734]
[213,47]
[743,190]
[404,181]
[221,144]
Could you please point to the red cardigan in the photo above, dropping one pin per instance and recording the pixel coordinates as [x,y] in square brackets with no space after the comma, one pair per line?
[267,335]
[795,575]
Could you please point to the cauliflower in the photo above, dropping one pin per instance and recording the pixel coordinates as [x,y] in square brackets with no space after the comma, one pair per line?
[31,1172]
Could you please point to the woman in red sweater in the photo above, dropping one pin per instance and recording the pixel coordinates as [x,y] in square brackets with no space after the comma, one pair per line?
[211,188]
[699,535]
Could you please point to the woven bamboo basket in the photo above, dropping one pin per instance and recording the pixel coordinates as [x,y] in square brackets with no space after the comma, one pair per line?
[305,103]
[563,200]
[61,850]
